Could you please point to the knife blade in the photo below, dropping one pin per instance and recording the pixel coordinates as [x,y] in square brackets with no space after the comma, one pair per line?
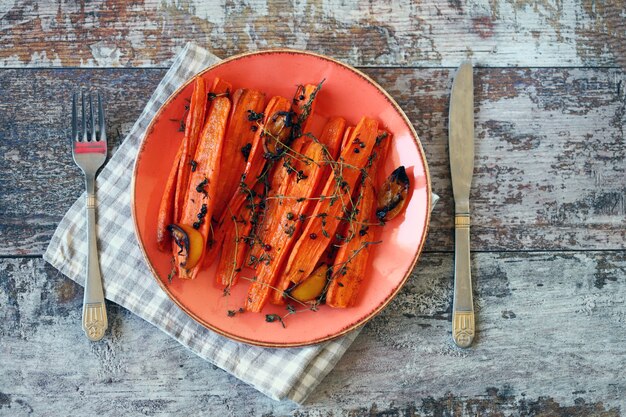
[461,149]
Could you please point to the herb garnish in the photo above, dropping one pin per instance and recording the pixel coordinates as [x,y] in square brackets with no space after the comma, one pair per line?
[270,318]
[254,116]
[201,185]
[245,151]
[213,96]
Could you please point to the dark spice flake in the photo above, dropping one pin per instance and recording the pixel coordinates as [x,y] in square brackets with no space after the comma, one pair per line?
[200,187]
[245,151]
[254,116]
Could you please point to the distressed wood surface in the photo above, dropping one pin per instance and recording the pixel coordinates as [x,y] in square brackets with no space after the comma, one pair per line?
[408,33]
[548,201]
[550,153]
[550,324]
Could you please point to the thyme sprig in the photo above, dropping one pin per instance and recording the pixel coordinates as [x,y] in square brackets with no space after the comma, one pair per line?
[233,271]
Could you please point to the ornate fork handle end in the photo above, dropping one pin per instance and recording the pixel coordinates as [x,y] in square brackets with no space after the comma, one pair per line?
[94,320]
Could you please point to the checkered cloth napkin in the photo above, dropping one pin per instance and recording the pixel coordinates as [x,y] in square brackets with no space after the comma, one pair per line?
[290,373]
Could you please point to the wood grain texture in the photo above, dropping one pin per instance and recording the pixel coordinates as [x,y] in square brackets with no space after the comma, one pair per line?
[407,33]
[549,343]
[550,175]
[549,168]
[39,179]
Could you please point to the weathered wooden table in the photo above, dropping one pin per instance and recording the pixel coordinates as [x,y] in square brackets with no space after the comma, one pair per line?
[549,209]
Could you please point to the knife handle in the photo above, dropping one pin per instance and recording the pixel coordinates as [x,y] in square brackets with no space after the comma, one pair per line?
[463,327]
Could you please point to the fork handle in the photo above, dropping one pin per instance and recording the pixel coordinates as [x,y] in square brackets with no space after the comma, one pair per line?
[94,310]
[463,325]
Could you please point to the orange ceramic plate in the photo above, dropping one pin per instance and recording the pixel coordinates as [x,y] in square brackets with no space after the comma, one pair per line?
[346,92]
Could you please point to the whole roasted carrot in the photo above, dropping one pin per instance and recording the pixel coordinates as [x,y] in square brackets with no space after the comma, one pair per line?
[200,197]
[193,124]
[166,209]
[337,195]
[251,174]
[287,217]
[247,107]
[351,261]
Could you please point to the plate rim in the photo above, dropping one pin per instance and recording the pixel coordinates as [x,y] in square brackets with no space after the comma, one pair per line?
[376,310]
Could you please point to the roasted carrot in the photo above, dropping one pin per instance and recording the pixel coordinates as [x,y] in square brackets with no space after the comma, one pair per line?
[304,103]
[294,166]
[332,152]
[277,133]
[352,257]
[336,198]
[242,125]
[220,88]
[288,221]
[278,183]
[303,106]
[252,172]
[346,136]
[200,198]
[331,139]
[166,209]
[238,237]
[193,124]
[329,254]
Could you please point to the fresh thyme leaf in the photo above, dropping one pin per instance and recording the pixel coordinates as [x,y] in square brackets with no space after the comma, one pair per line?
[270,318]
[254,116]
[381,137]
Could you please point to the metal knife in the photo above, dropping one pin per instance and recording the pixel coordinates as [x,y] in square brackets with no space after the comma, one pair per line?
[461,144]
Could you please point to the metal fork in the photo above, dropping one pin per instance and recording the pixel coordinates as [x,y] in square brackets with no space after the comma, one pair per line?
[89,153]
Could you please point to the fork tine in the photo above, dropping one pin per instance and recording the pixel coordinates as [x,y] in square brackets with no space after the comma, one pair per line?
[92,118]
[74,119]
[82,94]
[101,122]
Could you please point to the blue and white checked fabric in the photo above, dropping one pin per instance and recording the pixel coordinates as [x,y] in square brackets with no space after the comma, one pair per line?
[278,373]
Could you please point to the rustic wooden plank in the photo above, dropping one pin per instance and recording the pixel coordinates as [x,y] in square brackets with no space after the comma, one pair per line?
[550,155]
[425,33]
[39,179]
[549,342]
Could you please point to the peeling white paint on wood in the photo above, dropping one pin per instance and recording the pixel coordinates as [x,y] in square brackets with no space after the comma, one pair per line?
[399,32]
